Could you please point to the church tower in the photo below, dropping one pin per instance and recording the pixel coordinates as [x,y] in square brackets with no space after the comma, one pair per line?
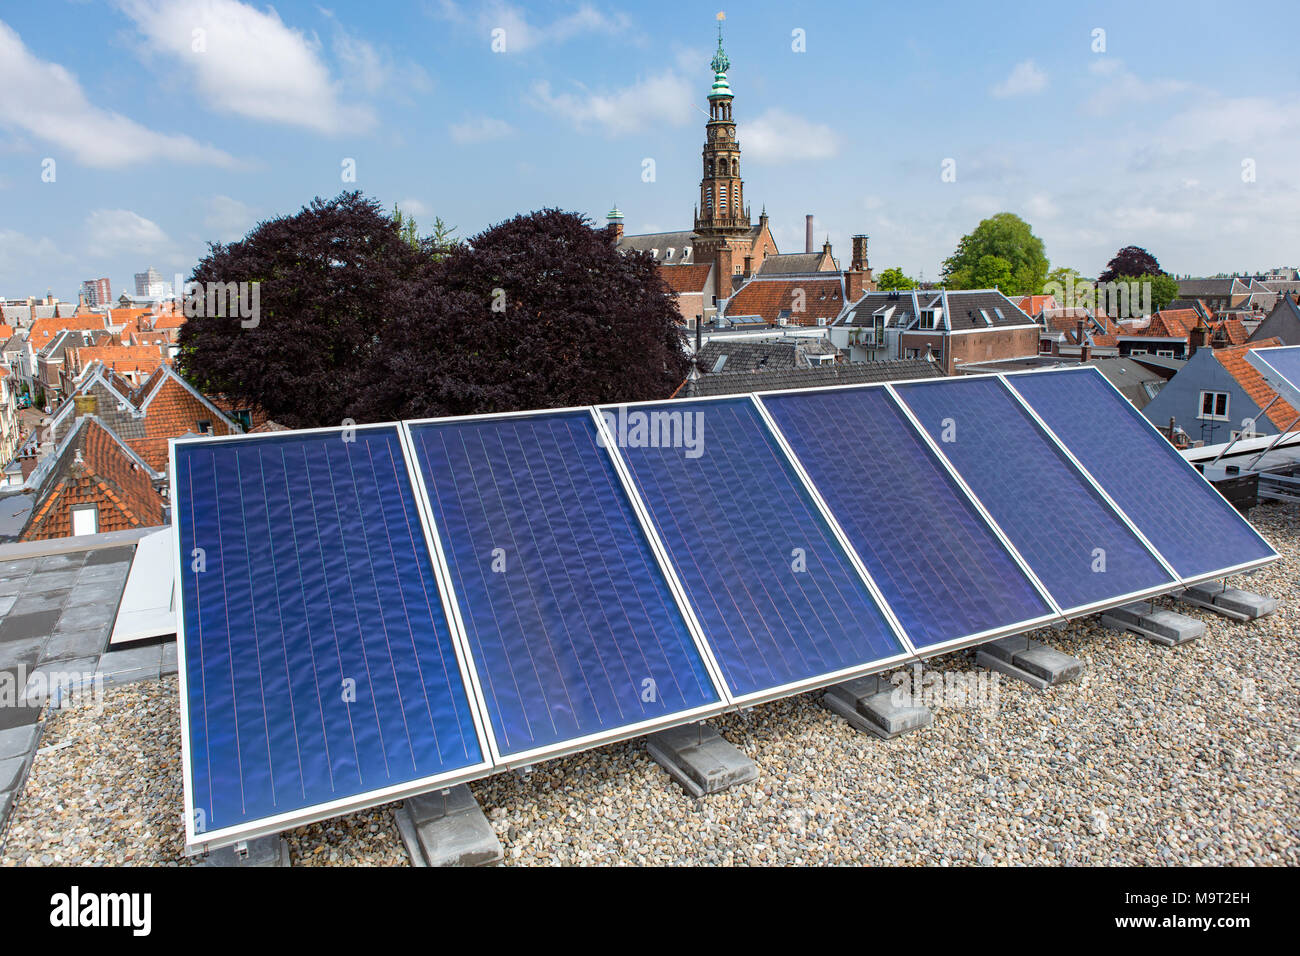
[723,230]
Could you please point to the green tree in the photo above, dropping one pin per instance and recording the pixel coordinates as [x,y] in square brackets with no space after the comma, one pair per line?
[893,278]
[1164,287]
[1002,252]
[406,228]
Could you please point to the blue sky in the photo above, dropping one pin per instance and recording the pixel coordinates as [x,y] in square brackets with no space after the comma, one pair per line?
[164,138]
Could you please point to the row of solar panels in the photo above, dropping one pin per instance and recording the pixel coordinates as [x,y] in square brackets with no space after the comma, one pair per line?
[371,612]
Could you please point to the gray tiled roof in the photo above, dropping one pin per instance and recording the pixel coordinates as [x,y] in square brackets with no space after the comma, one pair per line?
[748,356]
[859,373]
[663,241]
[790,262]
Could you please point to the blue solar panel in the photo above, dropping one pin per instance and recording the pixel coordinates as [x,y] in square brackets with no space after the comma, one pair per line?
[1285,364]
[939,565]
[1187,521]
[775,593]
[1068,535]
[318,661]
[572,626]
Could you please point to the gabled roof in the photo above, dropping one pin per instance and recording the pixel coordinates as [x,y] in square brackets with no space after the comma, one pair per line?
[797,300]
[1034,304]
[1233,359]
[172,408]
[1282,323]
[122,358]
[94,467]
[1196,288]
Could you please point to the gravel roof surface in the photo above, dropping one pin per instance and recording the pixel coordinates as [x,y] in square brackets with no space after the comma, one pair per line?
[1158,755]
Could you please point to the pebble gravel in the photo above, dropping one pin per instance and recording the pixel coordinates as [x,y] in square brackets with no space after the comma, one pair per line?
[1187,755]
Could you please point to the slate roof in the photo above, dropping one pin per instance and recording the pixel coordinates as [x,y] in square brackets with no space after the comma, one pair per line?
[1282,323]
[858,373]
[1135,382]
[662,241]
[93,466]
[747,356]
[1233,359]
[1196,288]
[791,262]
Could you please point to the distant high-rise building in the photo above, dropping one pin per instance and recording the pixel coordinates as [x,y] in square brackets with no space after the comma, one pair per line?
[150,285]
[97,292]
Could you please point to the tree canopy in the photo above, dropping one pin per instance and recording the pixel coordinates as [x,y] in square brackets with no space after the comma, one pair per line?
[357,321]
[1002,252]
[893,278]
[1131,261]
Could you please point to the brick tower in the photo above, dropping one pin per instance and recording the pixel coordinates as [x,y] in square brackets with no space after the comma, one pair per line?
[723,230]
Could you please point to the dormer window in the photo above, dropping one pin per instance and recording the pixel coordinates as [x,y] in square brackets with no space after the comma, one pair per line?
[927,318]
[654,253]
[686,253]
[669,254]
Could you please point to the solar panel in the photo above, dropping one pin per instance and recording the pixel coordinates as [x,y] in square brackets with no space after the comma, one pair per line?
[1281,369]
[776,594]
[574,632]
[318,671]
[939,565]
[1075,543]
[1190,524]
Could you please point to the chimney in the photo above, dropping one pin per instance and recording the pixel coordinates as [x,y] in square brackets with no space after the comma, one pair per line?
[808,233]
[1199,337]
[1085,350]
[859,261]
[749,266]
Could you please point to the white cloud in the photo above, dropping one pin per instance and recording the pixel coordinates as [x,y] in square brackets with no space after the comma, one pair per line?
[20,253]
[371,69]
[665,98]
[248,62]
[112,231]
[1024,79]
[1121,88]
[228,219]
[521,34]
[46,101]
[480,129]
[413,207]
[776,136]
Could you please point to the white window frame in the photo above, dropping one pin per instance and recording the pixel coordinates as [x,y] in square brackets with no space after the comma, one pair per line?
[81,512]
[1215,415]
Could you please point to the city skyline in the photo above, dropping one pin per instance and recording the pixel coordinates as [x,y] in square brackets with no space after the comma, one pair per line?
[169,134]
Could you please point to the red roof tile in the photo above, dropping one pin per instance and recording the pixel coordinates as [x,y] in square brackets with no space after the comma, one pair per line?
[94,469]
[690,278]
[805,298]
[1233,359]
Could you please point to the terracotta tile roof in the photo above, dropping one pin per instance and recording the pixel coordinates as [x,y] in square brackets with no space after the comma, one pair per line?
[43,331]
[6,331]
[268,426]
[1232,330]
[1233,359]
[1169,324]
[686,278]
[769,298]
[171,410]
[94,468]
[1033,304]
[143,359]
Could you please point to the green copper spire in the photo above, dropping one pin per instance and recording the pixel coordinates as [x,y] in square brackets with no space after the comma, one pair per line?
[720,66]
